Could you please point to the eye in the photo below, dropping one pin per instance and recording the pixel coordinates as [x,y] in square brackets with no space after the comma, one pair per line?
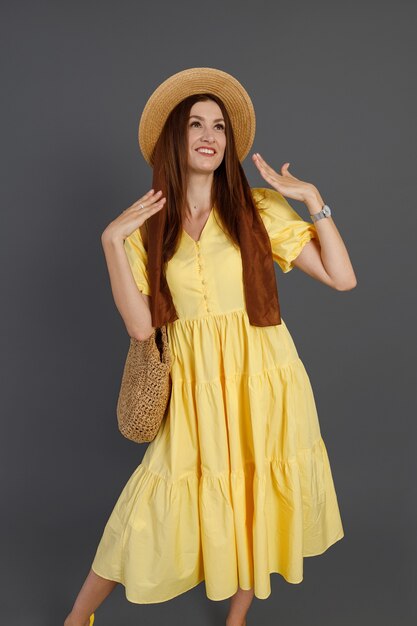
[197,122]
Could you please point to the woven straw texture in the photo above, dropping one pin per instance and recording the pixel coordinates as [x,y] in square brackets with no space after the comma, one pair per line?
[145,388]
[191,81]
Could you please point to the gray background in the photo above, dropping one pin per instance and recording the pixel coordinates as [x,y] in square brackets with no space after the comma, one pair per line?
[332,89]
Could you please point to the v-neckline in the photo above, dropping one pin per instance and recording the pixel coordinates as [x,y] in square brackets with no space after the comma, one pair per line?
[202,230]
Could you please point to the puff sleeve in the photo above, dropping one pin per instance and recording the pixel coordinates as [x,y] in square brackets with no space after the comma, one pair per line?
[287,231]
[137,257]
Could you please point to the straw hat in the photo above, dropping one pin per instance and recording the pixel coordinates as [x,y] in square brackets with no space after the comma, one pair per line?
[192,81]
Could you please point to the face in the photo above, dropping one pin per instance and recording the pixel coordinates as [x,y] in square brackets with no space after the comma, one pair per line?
[206,129]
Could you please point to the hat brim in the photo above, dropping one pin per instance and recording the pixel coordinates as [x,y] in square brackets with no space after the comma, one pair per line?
[193,81]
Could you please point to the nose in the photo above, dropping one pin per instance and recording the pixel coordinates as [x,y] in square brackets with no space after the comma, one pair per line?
[207,136]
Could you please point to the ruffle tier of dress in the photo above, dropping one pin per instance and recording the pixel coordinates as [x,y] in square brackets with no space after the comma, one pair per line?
[237,484]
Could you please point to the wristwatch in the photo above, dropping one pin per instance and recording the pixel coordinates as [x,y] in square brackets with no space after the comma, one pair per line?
[325,212]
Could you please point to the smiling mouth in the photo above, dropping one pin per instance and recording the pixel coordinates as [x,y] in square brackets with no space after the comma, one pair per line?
[209,154]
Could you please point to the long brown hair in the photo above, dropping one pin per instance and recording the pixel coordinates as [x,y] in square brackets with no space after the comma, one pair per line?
[230,193]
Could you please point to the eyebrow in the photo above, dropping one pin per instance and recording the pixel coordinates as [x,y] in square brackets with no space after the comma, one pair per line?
[219,119]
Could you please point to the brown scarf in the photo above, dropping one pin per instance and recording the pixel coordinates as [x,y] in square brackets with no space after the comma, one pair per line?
[260,286]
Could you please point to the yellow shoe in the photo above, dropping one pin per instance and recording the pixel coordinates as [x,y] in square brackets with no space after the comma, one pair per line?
[91,619]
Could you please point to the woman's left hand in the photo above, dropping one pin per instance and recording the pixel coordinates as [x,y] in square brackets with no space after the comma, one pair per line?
[287,184]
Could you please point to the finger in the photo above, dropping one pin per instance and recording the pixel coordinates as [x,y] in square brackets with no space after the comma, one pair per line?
[146,196]
[269,174]
[257,161]
[147,200]
[287,173]
[158,205]
[263,165]
[268,168]
[155,206]
[156,200]
[260,159]
[271,179]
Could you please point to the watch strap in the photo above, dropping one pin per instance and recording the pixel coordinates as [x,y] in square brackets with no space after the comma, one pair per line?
[325,212]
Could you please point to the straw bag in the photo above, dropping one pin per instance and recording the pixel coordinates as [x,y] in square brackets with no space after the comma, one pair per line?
[145,388]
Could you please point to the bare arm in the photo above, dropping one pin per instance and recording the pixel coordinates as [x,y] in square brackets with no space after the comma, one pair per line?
[132,305]
[327,261]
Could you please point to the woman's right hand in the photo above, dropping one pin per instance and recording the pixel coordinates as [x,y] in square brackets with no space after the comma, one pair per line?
[134,216]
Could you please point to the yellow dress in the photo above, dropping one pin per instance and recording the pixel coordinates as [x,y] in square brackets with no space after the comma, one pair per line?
[237,483]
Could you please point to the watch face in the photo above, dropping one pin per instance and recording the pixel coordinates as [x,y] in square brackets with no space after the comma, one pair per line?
[326,210]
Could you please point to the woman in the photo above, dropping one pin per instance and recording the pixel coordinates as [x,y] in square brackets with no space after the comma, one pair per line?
[237,483]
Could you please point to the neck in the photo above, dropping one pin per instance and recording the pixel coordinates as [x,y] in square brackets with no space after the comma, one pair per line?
[199,187]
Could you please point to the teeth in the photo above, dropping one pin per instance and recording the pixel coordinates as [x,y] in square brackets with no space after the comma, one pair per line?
[205,150]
